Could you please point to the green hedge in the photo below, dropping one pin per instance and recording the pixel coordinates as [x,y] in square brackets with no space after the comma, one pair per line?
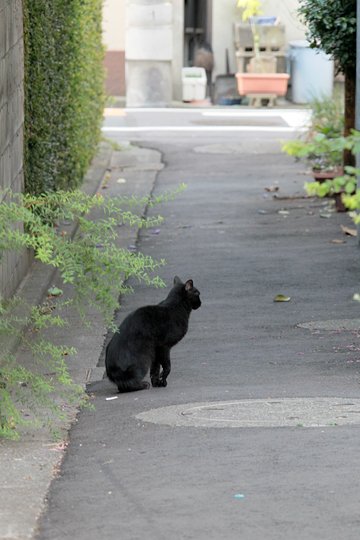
[64,95]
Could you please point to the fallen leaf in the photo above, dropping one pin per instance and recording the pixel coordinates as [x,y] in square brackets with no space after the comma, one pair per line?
[55,291]
[356,297]
[326,216]
[121,181]
[283,212]
[282,298]
[348,230]
[337,241]
[272,189]
[106,180]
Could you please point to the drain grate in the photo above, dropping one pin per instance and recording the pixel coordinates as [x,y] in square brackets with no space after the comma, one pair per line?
[286,412]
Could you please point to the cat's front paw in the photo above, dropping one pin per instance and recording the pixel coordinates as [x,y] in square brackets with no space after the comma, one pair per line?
[163,383]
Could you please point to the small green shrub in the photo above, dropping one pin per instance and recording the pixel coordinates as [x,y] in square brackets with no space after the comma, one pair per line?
[90,261]
[327,117]
[345,184]
[27,395]
[322,152]
[64,96]
[95,267]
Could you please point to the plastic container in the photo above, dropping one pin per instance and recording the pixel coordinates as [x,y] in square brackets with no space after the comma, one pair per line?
[194,83]
[225,90]
[263,20]
[312,72]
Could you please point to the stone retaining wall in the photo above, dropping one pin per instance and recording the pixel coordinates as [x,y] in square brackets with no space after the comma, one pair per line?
[13,266]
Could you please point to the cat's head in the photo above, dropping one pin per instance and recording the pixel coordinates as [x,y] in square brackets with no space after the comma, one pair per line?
[192,293]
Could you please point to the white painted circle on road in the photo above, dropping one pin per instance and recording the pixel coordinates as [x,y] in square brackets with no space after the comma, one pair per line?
[282,412]
[332,325]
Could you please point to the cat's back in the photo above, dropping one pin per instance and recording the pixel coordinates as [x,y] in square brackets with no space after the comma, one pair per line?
[144,320]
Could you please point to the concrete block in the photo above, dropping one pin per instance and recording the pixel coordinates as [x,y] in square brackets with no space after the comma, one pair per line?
[17,20]
[4,128]
[149,43]
[18,182]
[149,84]
[15,67]
[149,34]
[149,13]
[3,81]
[5,169]
[3,31]
[15,111]
[16,156]
[13,23]
[10,27]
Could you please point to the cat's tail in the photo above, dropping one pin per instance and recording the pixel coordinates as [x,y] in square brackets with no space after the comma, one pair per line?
[126,381]
[132,385]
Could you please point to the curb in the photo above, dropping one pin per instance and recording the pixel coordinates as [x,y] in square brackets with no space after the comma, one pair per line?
[28,466]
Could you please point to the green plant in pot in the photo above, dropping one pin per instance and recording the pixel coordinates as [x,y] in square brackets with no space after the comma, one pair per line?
[324,154]
[336,188]
[340,184]
[352,202]
[261,79]
[260,63]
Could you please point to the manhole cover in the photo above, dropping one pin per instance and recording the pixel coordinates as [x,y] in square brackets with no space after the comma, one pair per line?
[331,325]
[286,412]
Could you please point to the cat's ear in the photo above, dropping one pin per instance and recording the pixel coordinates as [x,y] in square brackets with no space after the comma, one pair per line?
[177,280]
[189,285]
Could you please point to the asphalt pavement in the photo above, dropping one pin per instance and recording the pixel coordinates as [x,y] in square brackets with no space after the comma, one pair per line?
[264,441]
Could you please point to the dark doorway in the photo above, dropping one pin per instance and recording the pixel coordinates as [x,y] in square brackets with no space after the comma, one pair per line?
[197,27]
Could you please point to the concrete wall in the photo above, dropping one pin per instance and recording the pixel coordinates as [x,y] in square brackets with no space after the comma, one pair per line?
[225,13]
[13,266]
[114,24]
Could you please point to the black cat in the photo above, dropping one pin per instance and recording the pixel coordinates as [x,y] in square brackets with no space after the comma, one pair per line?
[145,337]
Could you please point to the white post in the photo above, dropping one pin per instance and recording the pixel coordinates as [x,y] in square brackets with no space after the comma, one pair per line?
[149,53]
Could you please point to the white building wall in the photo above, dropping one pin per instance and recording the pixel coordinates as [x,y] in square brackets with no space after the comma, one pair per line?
[114,25]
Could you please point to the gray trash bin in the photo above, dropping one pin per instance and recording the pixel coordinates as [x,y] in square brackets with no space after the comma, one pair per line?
[312,72]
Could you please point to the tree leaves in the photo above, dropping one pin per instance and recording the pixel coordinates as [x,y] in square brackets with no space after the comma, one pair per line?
[332,27]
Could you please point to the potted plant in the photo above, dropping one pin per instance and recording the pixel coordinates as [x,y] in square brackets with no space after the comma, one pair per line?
[262,78]
[336,188]
[324,154]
